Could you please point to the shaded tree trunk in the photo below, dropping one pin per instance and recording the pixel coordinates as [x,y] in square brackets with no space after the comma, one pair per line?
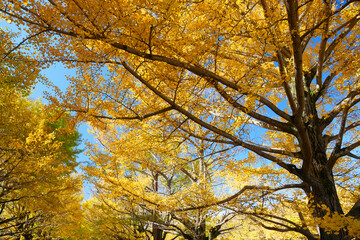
[317,171]
[320,178]
[324,193]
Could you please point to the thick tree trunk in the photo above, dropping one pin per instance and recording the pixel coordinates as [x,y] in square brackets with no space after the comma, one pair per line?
[320,178]
[322,188]
[324,193]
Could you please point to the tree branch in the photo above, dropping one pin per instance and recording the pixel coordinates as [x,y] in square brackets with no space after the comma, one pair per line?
[145,116]
[234,196]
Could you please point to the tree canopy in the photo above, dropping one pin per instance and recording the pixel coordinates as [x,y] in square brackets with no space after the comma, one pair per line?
[278,79]
[39,192]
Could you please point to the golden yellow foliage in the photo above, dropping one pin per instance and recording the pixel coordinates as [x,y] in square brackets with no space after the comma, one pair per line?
[37,187]
[276,78]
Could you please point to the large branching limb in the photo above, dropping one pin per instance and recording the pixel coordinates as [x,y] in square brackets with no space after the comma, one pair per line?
[200,71]
[237,194]
[290,167]
[196,69]
[137,117]
[304,140]
[293,20]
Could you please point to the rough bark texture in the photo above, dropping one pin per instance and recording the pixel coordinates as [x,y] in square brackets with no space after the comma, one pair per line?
[317,173]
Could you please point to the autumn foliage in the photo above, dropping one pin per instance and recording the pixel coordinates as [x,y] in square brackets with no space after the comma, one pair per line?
[248,108]
[39,192]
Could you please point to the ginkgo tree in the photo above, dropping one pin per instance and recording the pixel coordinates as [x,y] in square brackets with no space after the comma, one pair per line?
[37,181]
[144,180]
[39,192]
[239,69]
